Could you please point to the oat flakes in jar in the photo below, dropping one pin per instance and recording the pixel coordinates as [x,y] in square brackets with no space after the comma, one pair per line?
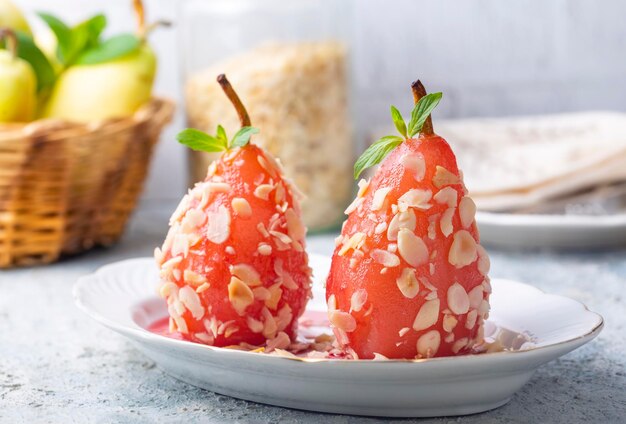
[290,64]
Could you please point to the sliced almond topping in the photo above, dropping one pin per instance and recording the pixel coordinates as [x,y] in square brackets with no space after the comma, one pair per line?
[400,220]
[486,285]
[459,344]
[193,219]
[379,198]
[458,300]
[331,303]
[467,211]
[342,320]
[379,357]
[470,321]
[230,331]
[266,166]
[193,278]
[427,315]
[181,325]
[354,242]
[218,228]
[246,273]
[167,289]
[275,294]
[449,338]
[261,293]
[203,287]
[483,260]
[180,209]
[385,258]
[269,323]
[285,315]
[412,248]
[475,297]
[159,256]
[295,227]
[354,205]
[264,249]
[415,198]
[403,331]
[262,191]
[449,322]
[407,283]
[483,309]
[357,300]
[380,228]
[428,344]
[432,226]
[443,177]
[204,337]
[446,222]
[363,186]
[415,164]
[284,238]
[241,207]
[171,262]
[190,299]
[281,341]
[463,250]
[431,269]
[446,196]
[240,295]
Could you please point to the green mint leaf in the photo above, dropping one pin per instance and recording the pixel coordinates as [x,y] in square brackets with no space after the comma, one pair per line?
[421,111]
[63,34]
[28,50]
[243,136]
[111,49]
[398,121]
[200,141]
[93,28]
[376,153]
[221,136]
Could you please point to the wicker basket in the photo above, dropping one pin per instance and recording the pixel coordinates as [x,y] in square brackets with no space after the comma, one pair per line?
[67,187]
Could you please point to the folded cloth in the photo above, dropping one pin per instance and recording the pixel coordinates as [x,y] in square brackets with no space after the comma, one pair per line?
[514,163]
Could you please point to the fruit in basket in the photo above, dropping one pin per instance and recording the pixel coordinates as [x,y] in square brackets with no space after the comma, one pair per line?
[408,276]
[233,265]
[101,79]
[11,17]
[18,83]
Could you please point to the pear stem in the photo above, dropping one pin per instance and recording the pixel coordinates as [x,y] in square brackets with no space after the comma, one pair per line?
[11,40]
[140,13]
[419,91]
[244,118]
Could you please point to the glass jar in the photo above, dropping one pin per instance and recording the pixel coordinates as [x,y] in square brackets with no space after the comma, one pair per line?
[289,63]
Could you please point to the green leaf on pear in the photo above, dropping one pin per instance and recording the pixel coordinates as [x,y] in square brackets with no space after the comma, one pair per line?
[398,121]
[199,141]
[28,50]
[111,49]
[422,110]
[376,153]
[242,137]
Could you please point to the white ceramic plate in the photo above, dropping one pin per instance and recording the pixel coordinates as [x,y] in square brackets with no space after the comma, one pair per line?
[554,231]
[122,297]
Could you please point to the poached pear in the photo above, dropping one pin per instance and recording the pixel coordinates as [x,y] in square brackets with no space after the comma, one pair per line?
[18,84]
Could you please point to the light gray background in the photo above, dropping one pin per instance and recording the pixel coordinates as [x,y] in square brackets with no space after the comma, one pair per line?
[490,57]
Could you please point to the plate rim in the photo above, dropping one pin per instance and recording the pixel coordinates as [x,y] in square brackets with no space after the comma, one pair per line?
[560,221]
[141,333]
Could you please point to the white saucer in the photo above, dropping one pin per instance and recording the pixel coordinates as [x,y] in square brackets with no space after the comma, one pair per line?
[122,297]
[553,231]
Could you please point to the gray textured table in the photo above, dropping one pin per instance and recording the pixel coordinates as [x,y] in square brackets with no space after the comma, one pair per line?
[57,365]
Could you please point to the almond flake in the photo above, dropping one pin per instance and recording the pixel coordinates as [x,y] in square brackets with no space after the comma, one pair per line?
[240,295]
[470,321]
[264,249]
[379,357]
[269,323]
[407,283]
[246,273]
[415,164]
[203,288]
[204,337]
[404,219]
[432,226]
[261,293]
[414,198]
[354,242]
[463,250]
[354,205]
[342,320]
[427,315]
[412,248]
[331,303]
[379,198]
[295,227]
[284,238]
[285,316]
[241,207]
[446,196]
[281,341]
[190,299]
[428,344]
[449,322]
[403,331]
[363,186]
[385,258]
[159,256]
[458,300]
[446,222]
[275,294]
[262,191]
[443,177]
[467,211]
[167,289]
[180,209]
[218,228]
[357,300]
[459,344]
[193,278]
[483,260]
[475,297]
[380,228]
[261,228]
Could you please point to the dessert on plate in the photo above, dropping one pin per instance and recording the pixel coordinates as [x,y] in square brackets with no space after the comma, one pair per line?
[233,266]
[408,276]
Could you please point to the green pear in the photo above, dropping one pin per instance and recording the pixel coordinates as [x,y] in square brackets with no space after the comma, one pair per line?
[18,88]
[85,93]
[12,17]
